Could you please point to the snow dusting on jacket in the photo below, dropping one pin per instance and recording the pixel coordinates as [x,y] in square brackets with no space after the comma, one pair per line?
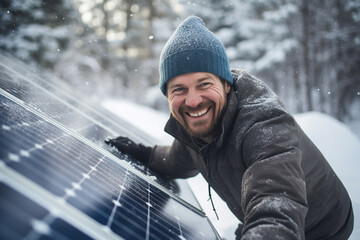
[270,174]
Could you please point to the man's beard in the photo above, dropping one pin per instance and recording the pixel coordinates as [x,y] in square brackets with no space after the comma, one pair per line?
[208,132]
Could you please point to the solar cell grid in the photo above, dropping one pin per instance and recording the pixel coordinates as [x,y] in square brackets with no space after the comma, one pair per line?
[62,105]
[92,183]
[22,218]
[72,183]
[37,96]
[47,97]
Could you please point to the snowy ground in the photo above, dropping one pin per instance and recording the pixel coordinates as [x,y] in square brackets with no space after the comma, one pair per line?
[339,145]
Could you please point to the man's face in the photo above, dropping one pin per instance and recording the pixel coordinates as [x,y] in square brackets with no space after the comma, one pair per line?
[196,101]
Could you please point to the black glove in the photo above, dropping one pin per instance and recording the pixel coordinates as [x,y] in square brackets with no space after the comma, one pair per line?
[125,145]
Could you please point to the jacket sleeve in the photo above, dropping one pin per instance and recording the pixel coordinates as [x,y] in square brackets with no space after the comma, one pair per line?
[274,198]
[173,161]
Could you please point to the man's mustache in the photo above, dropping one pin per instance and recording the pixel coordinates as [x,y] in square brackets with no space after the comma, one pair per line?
[184,108]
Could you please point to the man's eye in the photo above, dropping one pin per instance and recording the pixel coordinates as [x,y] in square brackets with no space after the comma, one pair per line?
[179,89]
[204,84]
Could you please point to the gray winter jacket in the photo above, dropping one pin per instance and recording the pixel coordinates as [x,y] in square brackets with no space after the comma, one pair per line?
[270,174]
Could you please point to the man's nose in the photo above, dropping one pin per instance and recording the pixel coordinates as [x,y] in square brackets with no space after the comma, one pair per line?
[193,98]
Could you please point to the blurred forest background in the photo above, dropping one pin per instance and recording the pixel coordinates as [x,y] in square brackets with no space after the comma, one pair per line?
[307,51]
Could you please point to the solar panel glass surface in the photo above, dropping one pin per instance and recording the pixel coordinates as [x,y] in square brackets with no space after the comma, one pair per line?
[58,180]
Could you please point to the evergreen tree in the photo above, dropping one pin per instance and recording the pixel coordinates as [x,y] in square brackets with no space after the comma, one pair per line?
[36,31]
[129,40]
[218,16]
[305,49]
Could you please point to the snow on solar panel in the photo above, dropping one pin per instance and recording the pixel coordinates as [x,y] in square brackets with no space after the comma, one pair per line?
[59,181]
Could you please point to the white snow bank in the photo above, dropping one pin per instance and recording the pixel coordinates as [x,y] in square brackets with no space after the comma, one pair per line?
[341,147]
[334,139]
[338,144]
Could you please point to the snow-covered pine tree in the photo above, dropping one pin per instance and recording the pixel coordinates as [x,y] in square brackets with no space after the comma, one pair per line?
[36,30]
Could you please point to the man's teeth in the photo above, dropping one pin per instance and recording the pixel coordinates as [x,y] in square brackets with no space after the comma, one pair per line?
[198,113]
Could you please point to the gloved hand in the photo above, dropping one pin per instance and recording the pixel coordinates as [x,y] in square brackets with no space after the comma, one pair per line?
[126,145]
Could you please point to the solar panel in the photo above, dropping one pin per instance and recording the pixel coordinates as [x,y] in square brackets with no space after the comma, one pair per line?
[58,180]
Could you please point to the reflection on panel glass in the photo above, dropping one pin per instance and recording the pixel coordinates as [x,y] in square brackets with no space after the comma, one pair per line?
[22,218]
[57,101]
[58,179]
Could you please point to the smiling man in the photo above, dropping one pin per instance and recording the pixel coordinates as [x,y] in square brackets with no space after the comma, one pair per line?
[197,101]
[234,130]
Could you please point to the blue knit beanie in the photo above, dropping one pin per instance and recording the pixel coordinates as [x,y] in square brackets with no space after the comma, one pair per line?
[193,48]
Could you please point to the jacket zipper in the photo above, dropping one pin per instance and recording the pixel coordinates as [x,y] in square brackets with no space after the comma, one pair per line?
[207,163]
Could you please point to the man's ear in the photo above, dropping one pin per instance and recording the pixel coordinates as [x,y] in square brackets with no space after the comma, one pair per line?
[227,87]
